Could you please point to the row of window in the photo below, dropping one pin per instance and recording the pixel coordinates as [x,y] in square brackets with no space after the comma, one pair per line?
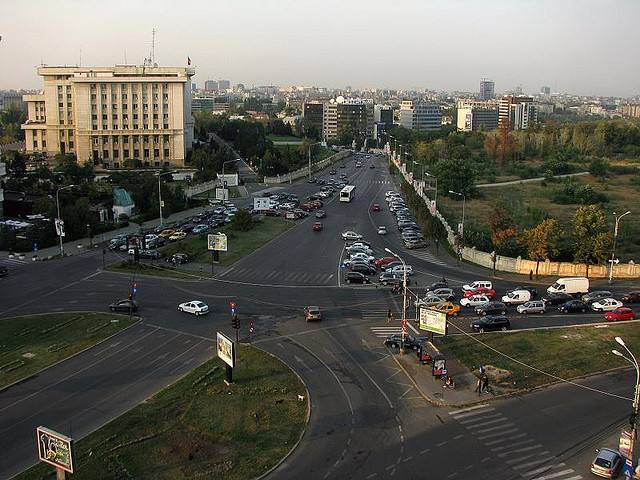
[125,126]
[146,153]
[125,106]
[125,116]
[136,139]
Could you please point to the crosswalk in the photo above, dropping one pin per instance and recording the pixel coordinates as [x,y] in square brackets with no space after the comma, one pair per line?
[527,458]
[426,255]
[15,263]
[277,277]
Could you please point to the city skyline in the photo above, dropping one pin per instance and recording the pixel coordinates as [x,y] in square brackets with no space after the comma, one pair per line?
[576,46]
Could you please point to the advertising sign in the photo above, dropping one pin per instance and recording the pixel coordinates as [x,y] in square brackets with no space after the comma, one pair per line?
[625,443]
[468,123]
[226,350]
[432,207]
[439,366]
[217,241]
[260,203]
[59,227]
[55,449]
[461,230]
[433,321]
[222,194]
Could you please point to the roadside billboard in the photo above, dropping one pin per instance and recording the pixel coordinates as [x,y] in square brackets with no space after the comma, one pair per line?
[226,350]
[217,241]
[222,194]
[55,449]
[260,203]
[433,321]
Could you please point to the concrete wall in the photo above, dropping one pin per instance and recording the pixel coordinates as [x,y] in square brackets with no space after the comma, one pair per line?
[303,172]
[520,265]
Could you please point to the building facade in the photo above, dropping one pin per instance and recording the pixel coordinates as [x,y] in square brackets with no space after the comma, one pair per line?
[110,114]
[486,89]
[631,110]
[474,115]
[517,113]
[211,85]
[418,115]
[313,112]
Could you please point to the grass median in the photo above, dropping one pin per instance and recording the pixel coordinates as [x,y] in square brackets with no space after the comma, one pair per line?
[517,359]
[199,427]
[33,342]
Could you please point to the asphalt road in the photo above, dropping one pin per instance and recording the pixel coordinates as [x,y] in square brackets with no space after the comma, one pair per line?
[367,421]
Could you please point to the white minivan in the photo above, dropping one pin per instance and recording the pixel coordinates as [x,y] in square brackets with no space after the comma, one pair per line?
[517,297]
[570,285]
[478,284]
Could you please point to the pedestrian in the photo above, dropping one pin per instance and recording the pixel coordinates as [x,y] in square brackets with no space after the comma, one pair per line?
[478,386]
[530,274]
[485,383]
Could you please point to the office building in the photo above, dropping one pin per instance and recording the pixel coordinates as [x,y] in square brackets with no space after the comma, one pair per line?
[486,89]
[383,114]
[474,115]
[211,85]
[516,113]
[313,113]
[111,114]
[418,115]
[545,90]
[224,84]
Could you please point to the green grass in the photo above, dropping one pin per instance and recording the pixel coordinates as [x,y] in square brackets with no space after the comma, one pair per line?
[31,343]
[199,427]
[563,352]
[284,138]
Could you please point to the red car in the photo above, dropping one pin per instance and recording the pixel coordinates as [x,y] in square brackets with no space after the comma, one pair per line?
[317,227]
[383,261]
[376,207]
[489,292]
[316,204]
[307,207]
[620,313]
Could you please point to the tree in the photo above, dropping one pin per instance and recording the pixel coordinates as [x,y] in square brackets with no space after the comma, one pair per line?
[542,241]
[592,237]
[242,221]
[456,175]
[503,227]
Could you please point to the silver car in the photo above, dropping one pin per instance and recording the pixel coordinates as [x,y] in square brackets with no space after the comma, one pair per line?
[532,306]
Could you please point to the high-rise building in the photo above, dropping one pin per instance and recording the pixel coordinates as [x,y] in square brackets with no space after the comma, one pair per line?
[517,113]
[314,112]
[418,115]
[224,84]
[211,85]
[355,115]
[111,114]
[474,115]
[486,89]
[383,114]
[545,90]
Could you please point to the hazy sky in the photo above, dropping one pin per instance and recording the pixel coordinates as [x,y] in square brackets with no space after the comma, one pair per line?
[585,47]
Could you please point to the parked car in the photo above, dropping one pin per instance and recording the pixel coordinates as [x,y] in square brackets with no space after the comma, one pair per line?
[620,314]
[594,296]
[200,228]
[491,322]
[166,233]
[321,214]
[395,340]
[382,230]
[317,227]
[606,305]
[631,297]
[312,313]
[556,298]
[178,258]
[356,277]
[491,308]
[415,243]
[517,297]
[607,463]
[177,236]
[125,305]
[478,284]
[448,308]
[363,268]
[400,269]
[383,261]
[196,307]
[388,278]
[362,256]
[489,292]
[474,300]
[532,306]
[150,254]
[573,306]
[351,235]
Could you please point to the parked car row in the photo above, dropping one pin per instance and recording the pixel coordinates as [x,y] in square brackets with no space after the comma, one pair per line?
[410,230]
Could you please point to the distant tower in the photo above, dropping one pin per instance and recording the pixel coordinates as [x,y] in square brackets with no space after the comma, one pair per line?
[486,89]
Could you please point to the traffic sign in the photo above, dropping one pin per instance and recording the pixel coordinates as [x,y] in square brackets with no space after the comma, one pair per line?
[233,304]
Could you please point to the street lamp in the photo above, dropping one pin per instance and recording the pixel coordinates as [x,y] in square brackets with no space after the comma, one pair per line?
[160,174]
[224,163]
[311,145]
[634,415]
[61,225]
[435,197]
[404,299]
[421,165]
[613,251]
[464,201]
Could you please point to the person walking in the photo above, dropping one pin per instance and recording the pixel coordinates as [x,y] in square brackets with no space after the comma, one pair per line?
[478,386]
[485,383]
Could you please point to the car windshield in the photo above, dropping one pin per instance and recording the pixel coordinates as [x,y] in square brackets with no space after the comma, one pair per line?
[603,462]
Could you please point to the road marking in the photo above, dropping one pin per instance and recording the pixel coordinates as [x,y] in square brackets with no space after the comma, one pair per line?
[546,468]
[497,449]
[440,444]
[520,450]
[499,427]
[425,451]
[490,422]
[517,460]
[479,419]
[513,430]
[469,410]
[556,475]
[532,464]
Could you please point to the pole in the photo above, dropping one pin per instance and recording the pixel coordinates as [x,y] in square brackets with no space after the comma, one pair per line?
[613,250]
[160,197]
[636,402]
[404,300]
[59,217]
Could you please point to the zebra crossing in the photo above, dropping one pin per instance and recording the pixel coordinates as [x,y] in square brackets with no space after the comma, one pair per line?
[15,263]
[276,277]
[527,458]
[426,255]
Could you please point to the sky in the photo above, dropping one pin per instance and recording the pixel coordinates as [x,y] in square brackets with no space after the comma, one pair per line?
[584,47]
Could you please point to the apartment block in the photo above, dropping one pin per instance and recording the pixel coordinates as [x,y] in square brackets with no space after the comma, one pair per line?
[630,110]
[110,114]
[517,112]
[313,112]
[419,115]
[487,88]
[474,115]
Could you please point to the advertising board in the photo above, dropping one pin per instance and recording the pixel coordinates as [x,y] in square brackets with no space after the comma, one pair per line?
[55,449]
[226,349]
[217,241]
[433,321]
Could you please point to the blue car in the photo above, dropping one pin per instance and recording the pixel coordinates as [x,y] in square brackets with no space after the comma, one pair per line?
[198,229]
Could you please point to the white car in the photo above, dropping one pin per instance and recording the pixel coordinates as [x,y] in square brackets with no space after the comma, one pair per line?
[350,250]
[474,301]
[362,256]
[399,270]
[606,305]
[478,284]
[382,230]
[194,306]
[351,235]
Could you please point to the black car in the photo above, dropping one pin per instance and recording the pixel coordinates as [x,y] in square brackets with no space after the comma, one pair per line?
[356,277]
[438,284]
[178,258]
[491,307]
[395,340]
[151,254]
[531,290]
[363,268]
[596,295]
[388,278]
[124,306]
[573,306]
[491,322]
[4,271]
[556,298]
[631,297]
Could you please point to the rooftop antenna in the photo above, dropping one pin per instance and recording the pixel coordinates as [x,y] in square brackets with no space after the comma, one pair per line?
[153,46]
[80,55]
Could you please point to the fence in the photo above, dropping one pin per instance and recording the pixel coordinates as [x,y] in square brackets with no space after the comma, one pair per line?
[520,265]
[304,171]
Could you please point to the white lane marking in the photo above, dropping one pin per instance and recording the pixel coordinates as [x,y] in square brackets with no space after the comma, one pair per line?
[513,430]
[520,450]
[542,469]
[532,464]
[469,410]
[556,475]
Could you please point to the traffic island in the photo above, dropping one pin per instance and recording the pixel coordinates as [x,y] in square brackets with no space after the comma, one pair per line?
[201,428]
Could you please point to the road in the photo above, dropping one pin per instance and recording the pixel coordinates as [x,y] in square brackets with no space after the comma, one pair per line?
[368,420]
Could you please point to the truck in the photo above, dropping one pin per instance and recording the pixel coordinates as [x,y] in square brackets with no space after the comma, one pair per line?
[570,285]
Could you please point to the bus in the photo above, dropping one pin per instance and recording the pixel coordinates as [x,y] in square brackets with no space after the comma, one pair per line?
[347,193]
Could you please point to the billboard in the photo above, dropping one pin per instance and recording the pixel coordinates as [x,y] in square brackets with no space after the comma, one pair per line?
[222,194]
[226,350]
[55,449]
[433,321]
[217,241]
[261,203]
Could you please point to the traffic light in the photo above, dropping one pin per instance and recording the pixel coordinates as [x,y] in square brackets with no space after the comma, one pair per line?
[235,322]
[134,288]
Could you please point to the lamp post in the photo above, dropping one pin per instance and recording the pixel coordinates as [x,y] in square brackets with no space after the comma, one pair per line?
[464,201]
[160,174]
[613,251]
[61,227]
[634,414]
[311,145]
[404,299]
[223,164]
[422,166]
[435,196]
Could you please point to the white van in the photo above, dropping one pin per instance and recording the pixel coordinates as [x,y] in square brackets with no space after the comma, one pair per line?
[570,285]
[477,284]
[517,297]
